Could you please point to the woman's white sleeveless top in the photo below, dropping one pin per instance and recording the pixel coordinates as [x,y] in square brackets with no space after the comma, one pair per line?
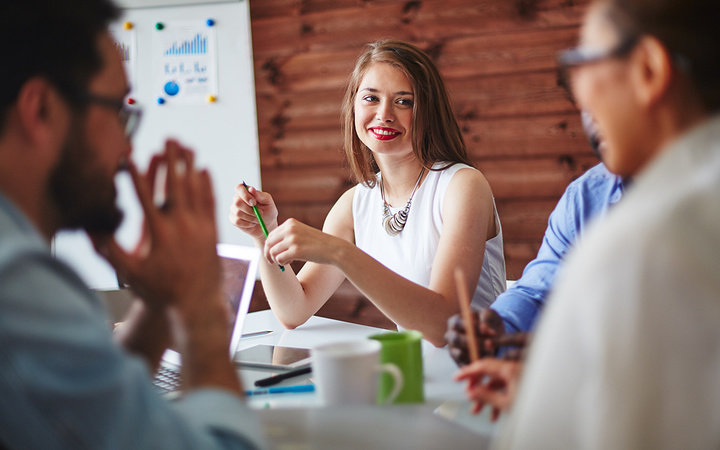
[412,252]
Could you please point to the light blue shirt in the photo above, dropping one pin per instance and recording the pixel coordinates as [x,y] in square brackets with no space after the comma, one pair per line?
[585,199]
[65,384]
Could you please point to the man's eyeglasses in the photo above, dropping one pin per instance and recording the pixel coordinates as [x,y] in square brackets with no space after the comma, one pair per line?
[581,56]
[128,117]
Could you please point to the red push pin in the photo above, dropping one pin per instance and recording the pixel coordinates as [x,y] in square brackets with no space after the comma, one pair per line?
[130,101]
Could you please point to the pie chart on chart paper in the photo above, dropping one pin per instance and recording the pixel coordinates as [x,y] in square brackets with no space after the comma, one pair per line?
[171,88]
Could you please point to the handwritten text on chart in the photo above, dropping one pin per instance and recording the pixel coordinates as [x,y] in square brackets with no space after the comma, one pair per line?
[184,68]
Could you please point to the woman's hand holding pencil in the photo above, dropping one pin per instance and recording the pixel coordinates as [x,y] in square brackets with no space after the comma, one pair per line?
[246,215]
[242,211]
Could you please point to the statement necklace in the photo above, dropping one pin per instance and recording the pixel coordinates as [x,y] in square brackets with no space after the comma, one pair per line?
[394,223]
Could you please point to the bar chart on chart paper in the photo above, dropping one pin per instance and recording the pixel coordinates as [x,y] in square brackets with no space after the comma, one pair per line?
[198,45]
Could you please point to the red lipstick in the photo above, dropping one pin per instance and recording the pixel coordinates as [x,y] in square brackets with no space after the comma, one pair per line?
[384,134]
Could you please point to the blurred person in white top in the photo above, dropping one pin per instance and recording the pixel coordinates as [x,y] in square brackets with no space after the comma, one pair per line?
[627,354]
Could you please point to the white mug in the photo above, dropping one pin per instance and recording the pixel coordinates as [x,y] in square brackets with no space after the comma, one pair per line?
[348,372]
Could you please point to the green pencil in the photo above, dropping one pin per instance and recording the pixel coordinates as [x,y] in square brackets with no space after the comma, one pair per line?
[261,222]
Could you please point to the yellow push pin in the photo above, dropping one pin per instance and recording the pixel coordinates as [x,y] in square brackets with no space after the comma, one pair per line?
[127,26]
[211,99]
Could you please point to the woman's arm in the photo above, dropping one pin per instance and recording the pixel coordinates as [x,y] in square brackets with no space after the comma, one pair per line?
[294,299]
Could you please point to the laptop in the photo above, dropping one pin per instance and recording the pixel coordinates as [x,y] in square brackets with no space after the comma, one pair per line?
[240,267]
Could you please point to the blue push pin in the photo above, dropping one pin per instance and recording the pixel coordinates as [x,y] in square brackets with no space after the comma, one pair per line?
[210,22]
[161,101]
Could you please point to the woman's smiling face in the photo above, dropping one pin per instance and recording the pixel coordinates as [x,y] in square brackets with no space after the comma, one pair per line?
[384,110]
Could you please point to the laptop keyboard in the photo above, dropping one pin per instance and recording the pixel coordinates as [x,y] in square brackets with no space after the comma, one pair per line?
[167,379]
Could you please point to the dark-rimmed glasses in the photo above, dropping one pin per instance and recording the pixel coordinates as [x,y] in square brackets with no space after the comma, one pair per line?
[128,117]
[581,56]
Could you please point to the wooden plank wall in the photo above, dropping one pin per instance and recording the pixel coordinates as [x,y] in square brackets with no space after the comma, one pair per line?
[498,60]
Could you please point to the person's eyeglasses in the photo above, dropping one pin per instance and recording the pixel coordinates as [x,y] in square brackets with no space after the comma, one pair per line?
[581,56]
[128,117]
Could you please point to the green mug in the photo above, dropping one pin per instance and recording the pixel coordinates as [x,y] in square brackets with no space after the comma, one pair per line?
[404,349]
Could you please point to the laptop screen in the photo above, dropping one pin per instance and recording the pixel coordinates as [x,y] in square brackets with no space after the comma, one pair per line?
[240,267]
[239,272]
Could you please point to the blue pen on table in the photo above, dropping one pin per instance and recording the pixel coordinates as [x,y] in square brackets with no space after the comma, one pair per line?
[261,222]
[300,388]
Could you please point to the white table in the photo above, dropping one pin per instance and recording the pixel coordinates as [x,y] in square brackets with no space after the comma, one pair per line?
[301,416]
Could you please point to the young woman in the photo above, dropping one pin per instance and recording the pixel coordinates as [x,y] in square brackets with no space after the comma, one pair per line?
[419,211]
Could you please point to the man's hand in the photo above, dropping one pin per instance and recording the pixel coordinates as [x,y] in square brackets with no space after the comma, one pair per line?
[177,273]
[175,261]
[488,327]
[514,345]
